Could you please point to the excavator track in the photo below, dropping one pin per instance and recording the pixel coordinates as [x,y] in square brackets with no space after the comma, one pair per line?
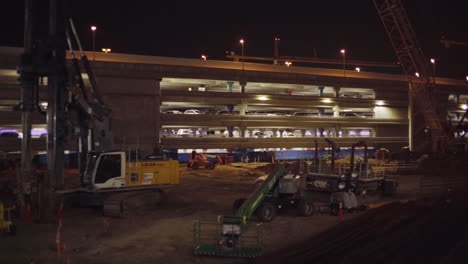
[123,204]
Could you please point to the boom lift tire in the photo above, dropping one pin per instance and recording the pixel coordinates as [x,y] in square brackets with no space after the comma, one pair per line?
[210,166]
[195,166]
[305,208]
[266,212]
[237,204]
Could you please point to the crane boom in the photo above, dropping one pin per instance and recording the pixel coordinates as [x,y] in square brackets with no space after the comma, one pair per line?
[429,125]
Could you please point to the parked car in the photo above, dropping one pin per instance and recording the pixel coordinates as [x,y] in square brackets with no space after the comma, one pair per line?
[305,114]
[235,133]
[226,112]
[173,112]
[10,134]
[183,132]
[192,112]
[356,114]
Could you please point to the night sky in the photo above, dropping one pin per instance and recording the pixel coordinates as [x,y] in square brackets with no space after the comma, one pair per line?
[189,29]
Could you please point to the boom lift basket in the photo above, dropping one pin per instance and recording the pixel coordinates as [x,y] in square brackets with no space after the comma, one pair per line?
[227,238]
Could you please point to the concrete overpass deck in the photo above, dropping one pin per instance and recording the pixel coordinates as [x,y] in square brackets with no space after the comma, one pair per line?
[137,87]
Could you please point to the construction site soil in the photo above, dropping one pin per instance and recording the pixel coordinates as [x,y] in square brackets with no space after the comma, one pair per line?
[428,229]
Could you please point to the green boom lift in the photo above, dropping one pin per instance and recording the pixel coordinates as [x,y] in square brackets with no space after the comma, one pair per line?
[231,236]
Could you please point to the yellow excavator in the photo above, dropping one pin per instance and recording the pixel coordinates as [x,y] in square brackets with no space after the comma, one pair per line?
[118,181]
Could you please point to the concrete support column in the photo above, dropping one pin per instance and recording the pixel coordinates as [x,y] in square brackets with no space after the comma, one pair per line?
[242,84]
[281,133]
[321,130]
[358,132]
[321,111]
[230,130]
[229,86]
[320,90]
[336,111]
[247,133]
[242,131]
[303,131]
[275,131]
[242,108]
[337,91]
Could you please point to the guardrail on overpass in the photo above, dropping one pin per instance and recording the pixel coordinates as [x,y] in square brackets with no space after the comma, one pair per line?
[271,121]
[244,143]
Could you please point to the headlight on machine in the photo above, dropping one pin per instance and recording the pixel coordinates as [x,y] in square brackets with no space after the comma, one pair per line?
[341,185]
[354,174]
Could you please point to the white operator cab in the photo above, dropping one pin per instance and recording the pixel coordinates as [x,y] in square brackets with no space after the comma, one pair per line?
[106,170]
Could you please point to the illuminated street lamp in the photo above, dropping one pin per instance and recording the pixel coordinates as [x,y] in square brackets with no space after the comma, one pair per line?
[287,63]
[93,29]
[358,69]
[241,41]
[343,52]
[417,74]
[466,78]
[203,57]
[106,50]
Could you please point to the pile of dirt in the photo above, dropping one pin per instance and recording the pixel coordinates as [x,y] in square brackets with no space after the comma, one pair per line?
[291,167]
[423,231]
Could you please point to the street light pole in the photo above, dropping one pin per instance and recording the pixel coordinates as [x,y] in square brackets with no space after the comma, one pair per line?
[242,53]
[93,29]
[433,67]
[343,52]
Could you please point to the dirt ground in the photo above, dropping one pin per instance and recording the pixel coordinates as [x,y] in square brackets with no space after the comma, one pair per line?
[165,234]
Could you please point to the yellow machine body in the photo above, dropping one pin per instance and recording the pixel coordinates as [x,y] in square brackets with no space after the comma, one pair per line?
[151,172]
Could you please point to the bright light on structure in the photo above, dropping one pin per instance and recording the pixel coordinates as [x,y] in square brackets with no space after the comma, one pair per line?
[464,106]
[44,104]
[466,78]
[93,28]
[106,50]
[343,51]
[379,103]
[203,57]
[365,133]
[432,60]
[287,63]
[241,41]
[327,101]
[358,69]
[262,98]
[38,131]
[417,74]
[190,89]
